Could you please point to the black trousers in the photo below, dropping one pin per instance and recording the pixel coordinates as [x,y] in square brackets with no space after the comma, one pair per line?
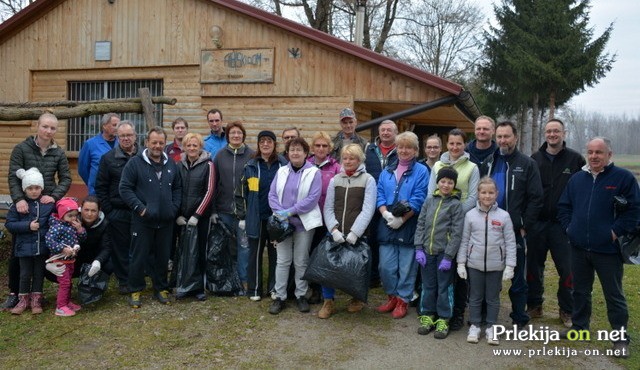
[31,274]
[150,248]
[120,233]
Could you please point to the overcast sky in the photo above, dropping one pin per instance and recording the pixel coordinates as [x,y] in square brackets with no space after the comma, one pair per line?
[618,92]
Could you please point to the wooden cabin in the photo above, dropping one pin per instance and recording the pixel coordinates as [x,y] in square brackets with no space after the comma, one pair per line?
[267,71]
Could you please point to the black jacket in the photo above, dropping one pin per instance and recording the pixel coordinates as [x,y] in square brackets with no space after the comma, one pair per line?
[198,186]
[108,180]
[523,188]
[375,162]
[143,191]
[97,245]
[555,176]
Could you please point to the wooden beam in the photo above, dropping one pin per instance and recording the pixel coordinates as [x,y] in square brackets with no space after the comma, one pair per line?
[147,107]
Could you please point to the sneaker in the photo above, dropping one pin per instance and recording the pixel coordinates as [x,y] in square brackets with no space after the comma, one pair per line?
[134,300]
[74,307]
[10,302]
[442,329]
[474,334]
[456,323]
[303,304]
[494,341]
[255,298]
[426,324]
[621,349]
[327,309]
[388,306]
[65,311]
[355,305]
[162,297]
[276,306]
[566,319]
[535,312]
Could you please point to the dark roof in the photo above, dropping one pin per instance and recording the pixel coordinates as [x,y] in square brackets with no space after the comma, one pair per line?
[40,7]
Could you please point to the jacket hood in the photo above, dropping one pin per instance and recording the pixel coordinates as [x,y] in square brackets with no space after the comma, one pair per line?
[165,158]
[446,158]
[493,207]
[98,222]
[121,154]
[239,150]
[35,145]
[360,170]
[204,156]
[454,194]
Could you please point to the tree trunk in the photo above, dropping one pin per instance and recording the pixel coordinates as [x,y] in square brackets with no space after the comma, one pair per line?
[525,147]
[552,104]
[535,124]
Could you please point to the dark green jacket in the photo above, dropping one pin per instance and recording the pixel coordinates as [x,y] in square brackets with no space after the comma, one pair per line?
[53,163]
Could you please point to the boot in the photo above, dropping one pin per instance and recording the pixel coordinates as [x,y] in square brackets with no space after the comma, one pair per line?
[389,306]
[23,304]
[327,309]
[36,303]
[400,311]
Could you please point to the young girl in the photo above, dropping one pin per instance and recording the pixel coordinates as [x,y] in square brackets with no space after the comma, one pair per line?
[437,239]
[65,232]
[488,244]
[28,231]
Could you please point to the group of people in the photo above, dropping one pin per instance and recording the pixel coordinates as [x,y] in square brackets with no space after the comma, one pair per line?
[448,228]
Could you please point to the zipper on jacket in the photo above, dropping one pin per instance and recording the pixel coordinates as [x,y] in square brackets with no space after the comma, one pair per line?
[486,238]
[344,208]
[433,226]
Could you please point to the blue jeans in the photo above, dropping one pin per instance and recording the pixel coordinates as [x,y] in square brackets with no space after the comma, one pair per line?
[437,289]
[398,270]
[242,250]
[610,270]
[518,290]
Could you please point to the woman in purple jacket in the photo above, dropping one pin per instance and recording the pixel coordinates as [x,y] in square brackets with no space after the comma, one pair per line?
[293,197]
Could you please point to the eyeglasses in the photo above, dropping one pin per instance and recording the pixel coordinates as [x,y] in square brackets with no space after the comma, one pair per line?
[556,131]
[321,145]
[215,120]
[126,136]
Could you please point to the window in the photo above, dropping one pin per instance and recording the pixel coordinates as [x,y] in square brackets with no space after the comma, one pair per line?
[83,128]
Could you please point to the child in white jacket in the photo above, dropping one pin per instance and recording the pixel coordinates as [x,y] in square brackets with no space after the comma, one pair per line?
[488,249]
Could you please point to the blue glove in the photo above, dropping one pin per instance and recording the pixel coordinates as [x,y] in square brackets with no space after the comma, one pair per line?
[421,257]
[445,264]
[283,214]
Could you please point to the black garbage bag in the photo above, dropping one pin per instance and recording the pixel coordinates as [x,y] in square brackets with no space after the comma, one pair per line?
[630,247]
[222,276]
[91,288]
[189,277]
[341,266]
[278,230]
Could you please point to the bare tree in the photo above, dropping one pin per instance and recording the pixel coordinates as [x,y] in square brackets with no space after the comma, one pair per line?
[442,37]
[10,7]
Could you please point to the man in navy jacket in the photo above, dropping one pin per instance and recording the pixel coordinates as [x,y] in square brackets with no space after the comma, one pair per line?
[151,187]
[586,211]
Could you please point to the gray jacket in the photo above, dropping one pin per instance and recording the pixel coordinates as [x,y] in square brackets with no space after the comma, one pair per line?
[440,225]
[488,242]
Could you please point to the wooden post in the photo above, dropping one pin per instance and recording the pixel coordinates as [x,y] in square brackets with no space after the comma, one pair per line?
[147,107]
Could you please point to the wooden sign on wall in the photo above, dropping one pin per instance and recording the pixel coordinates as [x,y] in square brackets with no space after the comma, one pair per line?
[236,66]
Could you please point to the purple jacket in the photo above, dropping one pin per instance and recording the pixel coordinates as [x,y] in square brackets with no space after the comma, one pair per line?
[329,168]
[290,195]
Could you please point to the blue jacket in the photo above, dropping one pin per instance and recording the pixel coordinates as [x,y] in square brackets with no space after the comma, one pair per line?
[29,243]
[586,209]
[89,159]
[375,162]
[213,143]
[412,188]
[252,198]
[141,190]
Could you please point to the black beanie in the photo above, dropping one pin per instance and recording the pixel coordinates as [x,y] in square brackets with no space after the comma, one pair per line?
[449,173]
[267,133]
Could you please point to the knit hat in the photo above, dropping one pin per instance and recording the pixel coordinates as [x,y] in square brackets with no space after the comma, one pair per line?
[30,177]
[65,205]
[268,134]
[449,173]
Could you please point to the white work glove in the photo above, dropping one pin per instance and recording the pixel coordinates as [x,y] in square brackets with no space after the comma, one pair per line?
[395,223]
[242,224]
[56,268]
[214,218]
[352,238]
[508,273]
[95,267]
[76,249]
[462,271]
[193,221]
[388,216]
[337,236]
[181,221]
